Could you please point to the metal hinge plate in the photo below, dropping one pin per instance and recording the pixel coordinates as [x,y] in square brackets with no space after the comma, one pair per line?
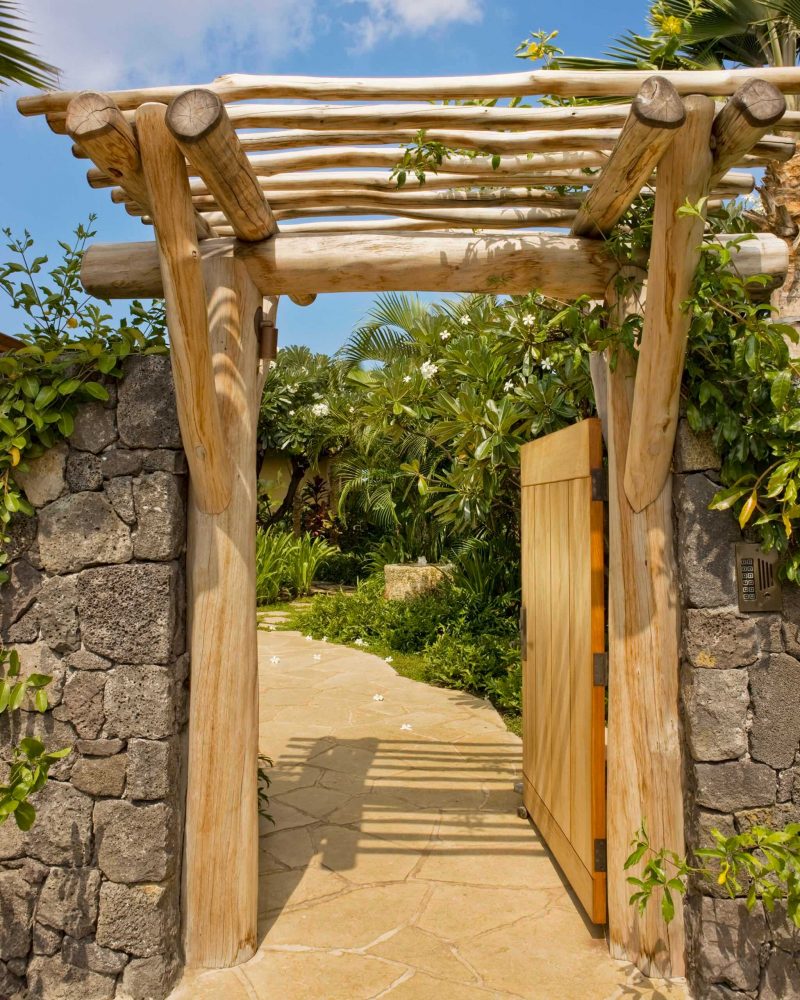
[600,669]
[599,485]
[600,861]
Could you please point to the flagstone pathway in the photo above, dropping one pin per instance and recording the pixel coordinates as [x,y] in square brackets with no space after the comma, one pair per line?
[397,866]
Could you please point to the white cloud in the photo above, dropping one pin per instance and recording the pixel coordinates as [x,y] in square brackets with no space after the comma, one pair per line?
[390,18]
[139,43]
[147,42]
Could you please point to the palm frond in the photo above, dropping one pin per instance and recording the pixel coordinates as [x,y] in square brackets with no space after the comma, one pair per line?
[17,63]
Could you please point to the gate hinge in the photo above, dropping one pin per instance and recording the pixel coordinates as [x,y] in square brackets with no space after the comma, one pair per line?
[600,862]
[600,669]
[599,485]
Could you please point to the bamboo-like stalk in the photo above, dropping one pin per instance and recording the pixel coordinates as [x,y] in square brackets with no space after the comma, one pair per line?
[467,217]
[564,83]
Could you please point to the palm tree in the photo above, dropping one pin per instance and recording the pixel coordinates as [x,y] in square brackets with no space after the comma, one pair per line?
[17,63]
[710,34]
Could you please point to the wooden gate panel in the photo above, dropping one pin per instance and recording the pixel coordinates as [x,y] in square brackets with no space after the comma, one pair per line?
[563,708]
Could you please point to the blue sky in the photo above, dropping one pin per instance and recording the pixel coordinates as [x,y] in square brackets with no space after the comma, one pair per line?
[103,46]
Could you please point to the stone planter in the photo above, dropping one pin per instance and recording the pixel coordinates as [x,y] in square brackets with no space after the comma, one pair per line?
[407,580]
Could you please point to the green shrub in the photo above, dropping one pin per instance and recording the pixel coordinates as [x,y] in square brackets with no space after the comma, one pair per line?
[486,665]
[344,567]
[287,563]
[467,643]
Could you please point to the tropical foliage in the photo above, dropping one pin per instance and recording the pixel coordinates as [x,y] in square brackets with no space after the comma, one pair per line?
[287,564]
[761,864]
[70,346]
[18,64]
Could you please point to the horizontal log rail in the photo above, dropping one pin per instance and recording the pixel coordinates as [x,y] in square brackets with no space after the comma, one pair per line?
[564,83]
[302,264]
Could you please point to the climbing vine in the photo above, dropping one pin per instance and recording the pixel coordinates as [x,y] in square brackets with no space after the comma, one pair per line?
[70,345]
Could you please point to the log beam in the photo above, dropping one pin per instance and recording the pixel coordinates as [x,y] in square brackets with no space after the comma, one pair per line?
[303,299]
[558,265]
[563,83]
[746,118]
[108,139]
[222,825]
[655,115]
[685,172]
[202,129]
[391,261]
[183,289]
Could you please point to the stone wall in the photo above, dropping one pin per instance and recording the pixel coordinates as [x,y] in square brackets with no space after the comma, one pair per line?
[740,683]
[89,897]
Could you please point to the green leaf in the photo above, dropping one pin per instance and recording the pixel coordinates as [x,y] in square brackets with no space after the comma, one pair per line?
[31,747]
[24,815]
[40,700]
[667,906]
[96,390]
[781,387]
[45,396]
[748,509]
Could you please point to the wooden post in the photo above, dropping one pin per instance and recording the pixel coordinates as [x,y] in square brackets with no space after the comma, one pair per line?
[684,175]
[182,276]
[221,855]
[645,778]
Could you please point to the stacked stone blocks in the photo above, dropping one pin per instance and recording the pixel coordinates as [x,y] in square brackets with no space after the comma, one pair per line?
[740,684]
[89,897]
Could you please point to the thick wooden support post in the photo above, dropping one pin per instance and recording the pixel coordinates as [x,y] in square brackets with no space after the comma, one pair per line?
[184,291]
[684,174]
[221,857]
[745,119]
[644,752]
[649,128]
[201,127]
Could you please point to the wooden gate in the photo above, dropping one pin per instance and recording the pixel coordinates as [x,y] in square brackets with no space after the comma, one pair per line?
[563,643]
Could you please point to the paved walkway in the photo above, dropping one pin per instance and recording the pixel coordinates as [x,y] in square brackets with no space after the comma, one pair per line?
[397,866]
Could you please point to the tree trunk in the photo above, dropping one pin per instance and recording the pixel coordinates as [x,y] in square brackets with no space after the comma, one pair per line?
[299,469]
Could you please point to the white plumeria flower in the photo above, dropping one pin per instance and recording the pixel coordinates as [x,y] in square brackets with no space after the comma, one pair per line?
[407,727]
[445,335]
[352,409]
[406,378]
[528,319]
[377,697]
[547,365]
[388,659]
[317,657]
[360,642]
[428,369]
[291,413]
[465,320]
[324,638]
[309,638]
[508,386]
[274,659]
[320,409]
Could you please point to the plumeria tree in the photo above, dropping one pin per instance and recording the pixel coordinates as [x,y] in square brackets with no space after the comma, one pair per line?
[305,409]
[449,393]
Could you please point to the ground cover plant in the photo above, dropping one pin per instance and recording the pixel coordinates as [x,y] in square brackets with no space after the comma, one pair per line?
[287,564]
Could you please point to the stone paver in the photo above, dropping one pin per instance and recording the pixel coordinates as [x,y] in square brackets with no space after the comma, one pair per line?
[397,866]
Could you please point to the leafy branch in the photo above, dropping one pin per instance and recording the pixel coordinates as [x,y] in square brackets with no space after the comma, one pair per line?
[766,861]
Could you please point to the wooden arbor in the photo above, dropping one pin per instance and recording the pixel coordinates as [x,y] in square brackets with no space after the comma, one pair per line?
[219,170]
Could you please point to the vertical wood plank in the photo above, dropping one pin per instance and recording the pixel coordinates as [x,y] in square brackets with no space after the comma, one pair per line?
[527,569]
[541,640]
[580,672]
[562,625]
